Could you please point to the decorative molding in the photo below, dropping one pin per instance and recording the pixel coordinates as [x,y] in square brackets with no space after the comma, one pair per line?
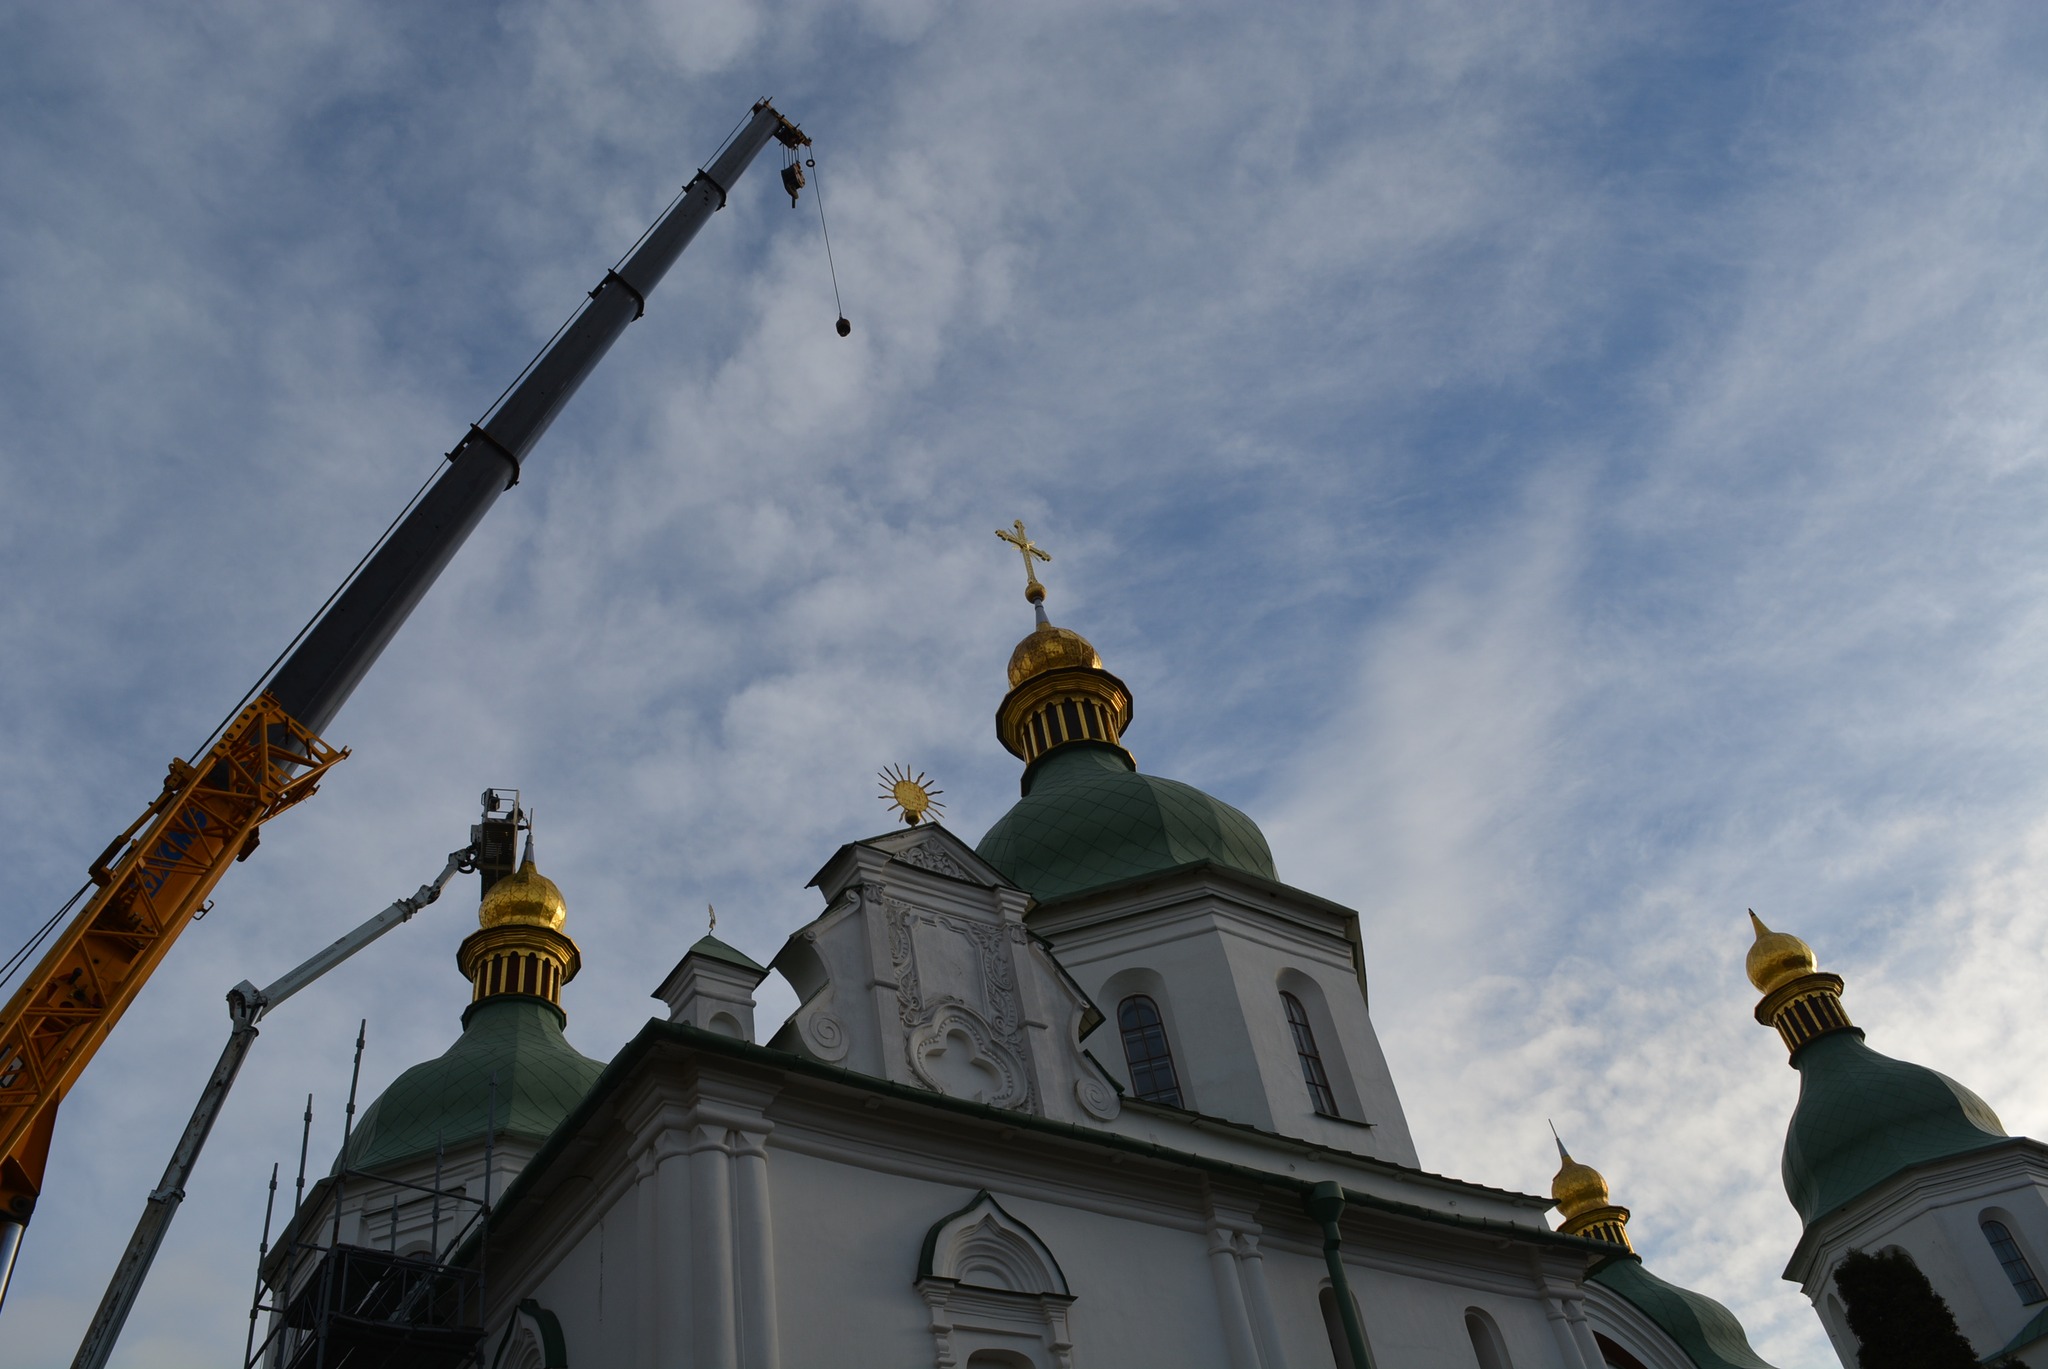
[1098,1099]
[825,1035]
[1009,1084]
[989,1281]
[929,855]
[996,1030]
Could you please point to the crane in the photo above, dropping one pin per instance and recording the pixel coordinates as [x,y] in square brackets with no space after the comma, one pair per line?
[156,875]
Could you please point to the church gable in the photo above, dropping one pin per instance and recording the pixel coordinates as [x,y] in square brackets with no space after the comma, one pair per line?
[929,846]
[921,971]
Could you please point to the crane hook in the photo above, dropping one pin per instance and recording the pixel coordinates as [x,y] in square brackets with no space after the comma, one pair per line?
[792,181]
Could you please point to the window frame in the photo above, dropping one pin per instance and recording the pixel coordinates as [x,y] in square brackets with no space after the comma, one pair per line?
[1314,1075]
[1172,1095]
[2019,1271]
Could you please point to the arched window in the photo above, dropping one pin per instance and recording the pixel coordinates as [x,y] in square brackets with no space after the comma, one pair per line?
[1311,1059]
[2016,1267]
[1146,1051]
[1333,1326]
[1614,1357]
[1487,1346]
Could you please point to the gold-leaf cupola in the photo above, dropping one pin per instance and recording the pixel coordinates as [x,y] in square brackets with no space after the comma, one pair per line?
[1582,1200]
[1059,692]
[1799,998]
[519,946]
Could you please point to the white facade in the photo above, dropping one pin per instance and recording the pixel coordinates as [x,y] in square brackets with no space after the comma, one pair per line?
[1215,949]
[933,1166]
[1936,1213]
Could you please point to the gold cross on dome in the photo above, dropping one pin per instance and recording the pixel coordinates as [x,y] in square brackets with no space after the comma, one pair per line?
[1033,591]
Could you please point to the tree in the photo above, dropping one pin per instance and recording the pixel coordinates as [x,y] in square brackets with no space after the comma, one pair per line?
[1899,1321]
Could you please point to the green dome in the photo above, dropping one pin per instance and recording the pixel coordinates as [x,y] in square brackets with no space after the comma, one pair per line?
[541,1077]
[1708,1332]
[1863,1117]
[1088,819]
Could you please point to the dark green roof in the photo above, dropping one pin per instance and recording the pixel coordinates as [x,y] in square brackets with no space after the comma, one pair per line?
[712,948]
[1864,1117]
[1088,819]
[541,1078]
[1705,1330]
[2034,1330]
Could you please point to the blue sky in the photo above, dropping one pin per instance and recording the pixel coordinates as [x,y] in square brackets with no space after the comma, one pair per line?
[1570,471]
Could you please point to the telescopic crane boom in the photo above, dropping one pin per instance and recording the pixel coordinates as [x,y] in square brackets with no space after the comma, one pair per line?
[154,877]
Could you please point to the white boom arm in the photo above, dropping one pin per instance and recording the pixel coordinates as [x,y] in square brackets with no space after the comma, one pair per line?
[247,1005]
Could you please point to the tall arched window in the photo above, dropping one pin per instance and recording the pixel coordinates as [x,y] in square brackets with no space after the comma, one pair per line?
[2016,1267]
[1146,1051]
[1311,1059]
[1333,1326]
[1487,1346]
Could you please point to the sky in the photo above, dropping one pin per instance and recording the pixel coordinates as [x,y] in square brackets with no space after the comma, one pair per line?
[1571,471]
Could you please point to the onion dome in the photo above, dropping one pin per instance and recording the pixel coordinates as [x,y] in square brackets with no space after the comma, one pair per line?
[1802,1001]
[1862,1117]
[1582,1200]
[450,1101]
[1060,695]
[1707,1332]
[1051,648]
[1087,818]
[511,1072]
[1776,958]
[526,898]
[519,946]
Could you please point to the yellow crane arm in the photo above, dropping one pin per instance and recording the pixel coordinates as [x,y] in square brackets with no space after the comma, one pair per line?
[151,887]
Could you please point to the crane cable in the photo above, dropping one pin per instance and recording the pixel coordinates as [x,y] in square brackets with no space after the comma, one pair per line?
[29,947]
[794,163]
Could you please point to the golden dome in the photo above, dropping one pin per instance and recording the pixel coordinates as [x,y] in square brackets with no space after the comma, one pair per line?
[1577,1188]
[1051,648]
[1776,958]
[525,899]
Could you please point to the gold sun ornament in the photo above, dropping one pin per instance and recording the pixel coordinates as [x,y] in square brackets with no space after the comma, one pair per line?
[909,796]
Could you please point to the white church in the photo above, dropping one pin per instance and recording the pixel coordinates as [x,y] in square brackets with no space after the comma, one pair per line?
[1098,1090]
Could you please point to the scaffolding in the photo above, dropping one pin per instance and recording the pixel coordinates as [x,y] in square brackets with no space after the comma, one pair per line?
[335,1304]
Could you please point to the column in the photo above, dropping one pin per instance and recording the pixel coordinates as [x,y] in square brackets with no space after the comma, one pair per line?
[754,1237]
[646,1264]
[1567,1344]
[711,1281]
[1582,1330]
[1251,1269]
[1237,1325]
[674,1259]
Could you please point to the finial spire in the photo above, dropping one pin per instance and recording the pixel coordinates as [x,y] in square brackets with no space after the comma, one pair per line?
[1034,592]
[1563,1155]
[529,842]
